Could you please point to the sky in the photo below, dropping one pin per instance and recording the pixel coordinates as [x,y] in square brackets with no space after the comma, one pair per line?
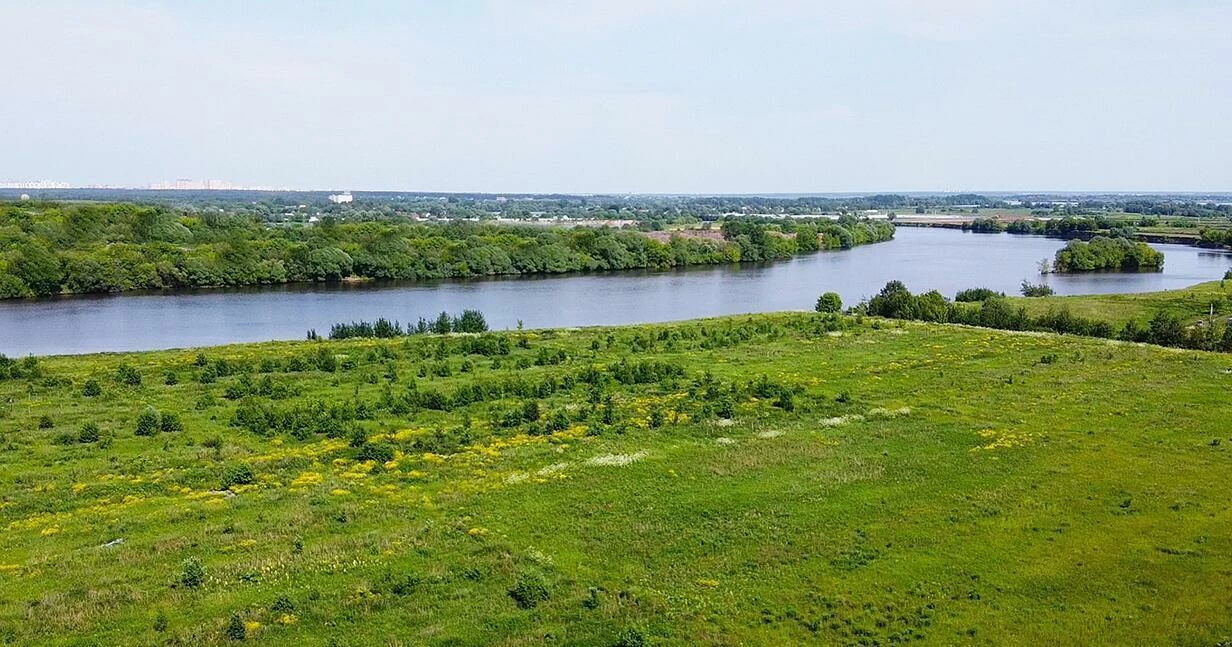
[622,96]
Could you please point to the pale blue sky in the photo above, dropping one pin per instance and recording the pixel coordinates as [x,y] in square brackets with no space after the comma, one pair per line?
[707,96]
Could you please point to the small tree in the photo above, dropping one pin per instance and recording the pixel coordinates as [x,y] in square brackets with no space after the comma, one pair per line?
[91,389]
[170,422]
[235,628]
[829,302]
[443,324]
[1166,329]
[236,474]
[529,590]
[149,422]
[1036,289]
[471,321]
[192,573]
[89,433]
[128,375]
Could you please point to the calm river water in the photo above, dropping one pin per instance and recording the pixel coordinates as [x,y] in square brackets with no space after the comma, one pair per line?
[942,259]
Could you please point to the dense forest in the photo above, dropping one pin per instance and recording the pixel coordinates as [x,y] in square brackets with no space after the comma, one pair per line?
[48,248]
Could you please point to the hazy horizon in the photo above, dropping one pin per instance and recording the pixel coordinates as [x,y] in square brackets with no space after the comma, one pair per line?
[678,97]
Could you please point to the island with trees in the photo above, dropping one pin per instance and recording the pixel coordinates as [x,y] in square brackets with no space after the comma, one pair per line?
[1108,253]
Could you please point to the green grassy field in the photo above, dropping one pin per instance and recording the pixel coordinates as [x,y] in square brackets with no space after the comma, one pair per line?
[884,483]
[1191,304]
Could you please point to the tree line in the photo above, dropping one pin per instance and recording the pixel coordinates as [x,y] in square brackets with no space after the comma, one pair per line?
[52,248]
[470,321]
[895,301]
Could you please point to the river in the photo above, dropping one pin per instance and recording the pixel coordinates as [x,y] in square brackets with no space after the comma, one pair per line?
[943,259]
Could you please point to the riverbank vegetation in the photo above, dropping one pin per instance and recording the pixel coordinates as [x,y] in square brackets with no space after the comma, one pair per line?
[469,321]
[50,248]
[1195,318]
[773,479]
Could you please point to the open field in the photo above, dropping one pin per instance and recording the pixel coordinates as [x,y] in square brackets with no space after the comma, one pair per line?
[1190,304]
[885,482]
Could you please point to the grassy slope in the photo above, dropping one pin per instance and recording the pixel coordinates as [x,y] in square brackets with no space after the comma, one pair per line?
[1075,501]
[1191,303]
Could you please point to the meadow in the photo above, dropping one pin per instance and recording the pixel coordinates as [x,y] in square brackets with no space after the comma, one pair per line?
[1191,304]
[768,479]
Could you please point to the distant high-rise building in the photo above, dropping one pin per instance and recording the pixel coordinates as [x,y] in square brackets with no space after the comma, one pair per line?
[34,184]
[341,198]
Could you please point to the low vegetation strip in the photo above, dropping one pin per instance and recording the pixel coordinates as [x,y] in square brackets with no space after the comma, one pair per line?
[1165,319]
[741,480]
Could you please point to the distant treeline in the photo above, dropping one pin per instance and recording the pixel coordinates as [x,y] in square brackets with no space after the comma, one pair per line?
[647,210]
[1067,226]
[759,239]
[895,301]
[50,248]
[470,321]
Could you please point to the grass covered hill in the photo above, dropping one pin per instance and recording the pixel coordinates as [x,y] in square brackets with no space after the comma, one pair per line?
[775,479]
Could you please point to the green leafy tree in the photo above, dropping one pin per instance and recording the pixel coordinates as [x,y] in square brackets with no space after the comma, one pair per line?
[38,268]
[829,302]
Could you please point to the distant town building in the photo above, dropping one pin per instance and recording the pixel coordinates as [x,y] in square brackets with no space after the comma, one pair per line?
[342,198]
[25,196]
[34,184]
[187,184]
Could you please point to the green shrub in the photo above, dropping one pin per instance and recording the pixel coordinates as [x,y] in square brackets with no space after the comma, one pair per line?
[128,375]
[91,389]
[282,604]
[235,628]
[829,302]
[236,474]
[170,422]
[192,573]
[972,295]
[89,433]
[529,590]
[148,422]
[1036,289]
[631,637]
[399,584]
[45,422]
[378,452]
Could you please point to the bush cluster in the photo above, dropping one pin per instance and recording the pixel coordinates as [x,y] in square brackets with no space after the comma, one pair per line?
[895,301]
